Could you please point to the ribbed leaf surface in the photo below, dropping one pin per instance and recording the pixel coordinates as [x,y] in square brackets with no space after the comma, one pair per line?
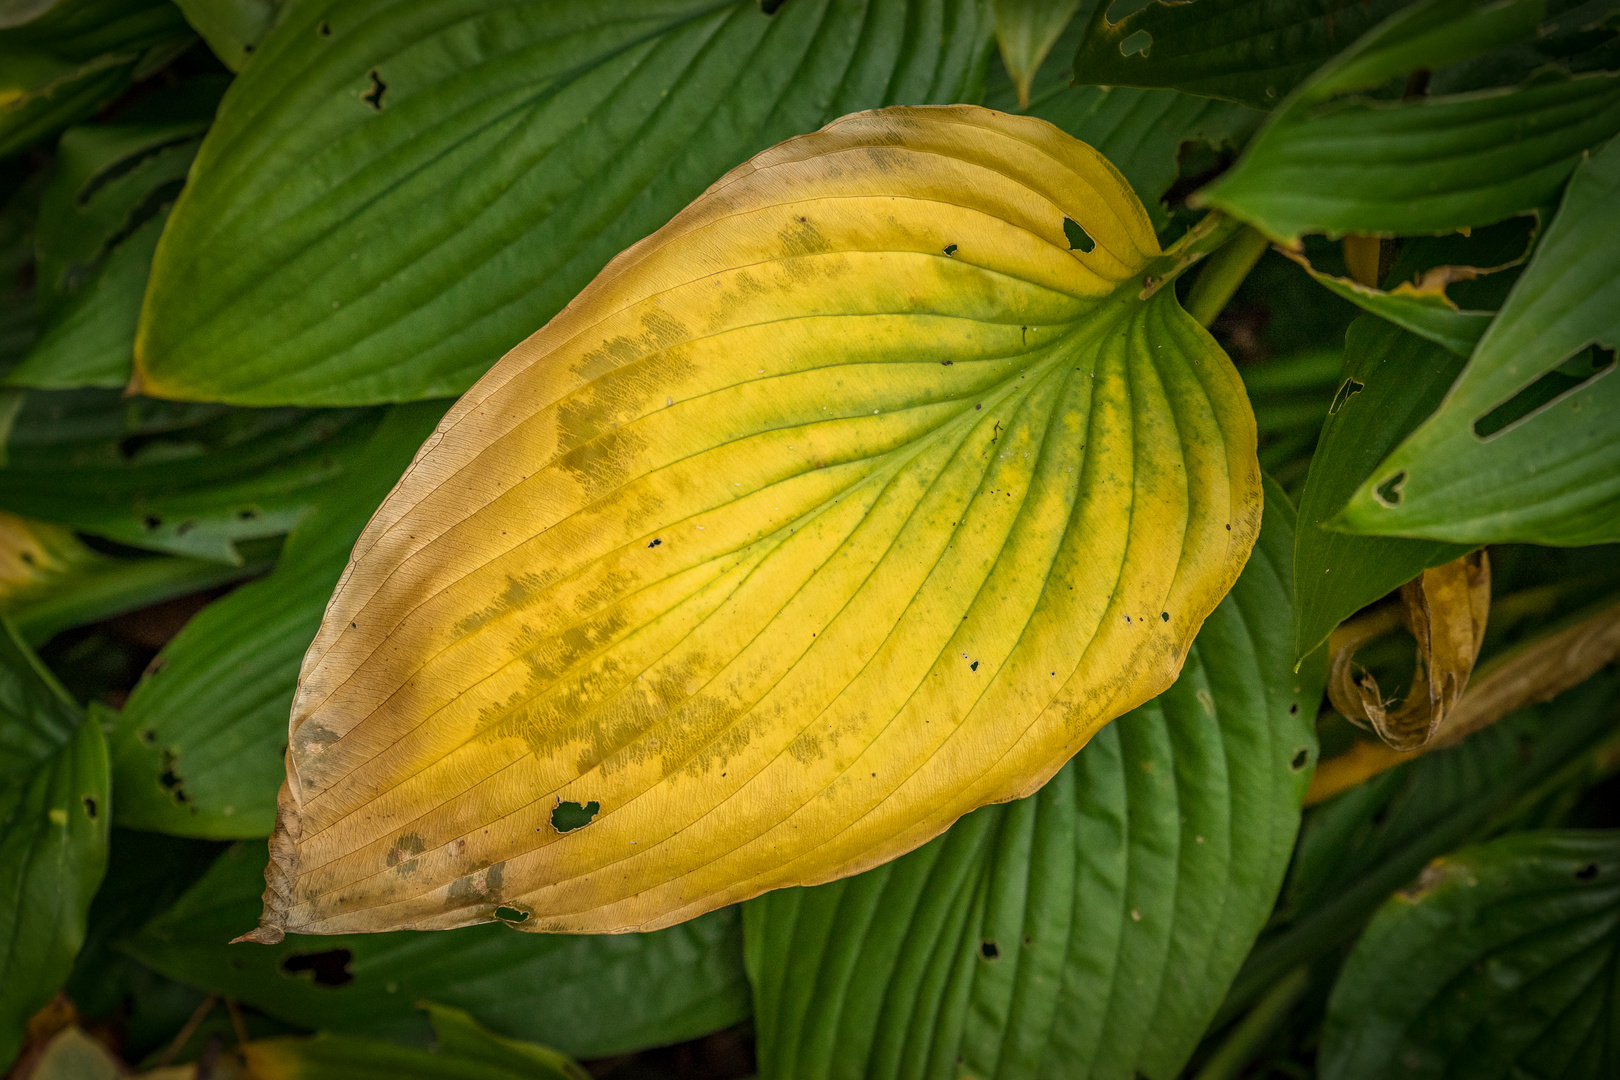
[1503,961]
[1089,930]
[858,496]
[544,138]
[1551,476]
[1337,161]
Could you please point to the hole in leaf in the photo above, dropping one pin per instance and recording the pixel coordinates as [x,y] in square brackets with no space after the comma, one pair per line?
[170,779]
[1293,710]
[1389,492]
[655,542]
[90,806]
[1301,757]
[769,7]
[329,968]
[950,249]
[374,96]
[989,950]
[1587,872]
[973,666]
[1079,239]
[1139,42]
[511,914]
[1350,388]
[1164,616]
[568,816]
[1555,384]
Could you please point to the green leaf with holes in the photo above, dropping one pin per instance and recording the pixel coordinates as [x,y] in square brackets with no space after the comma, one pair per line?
[61,62]
[99,222]
[1392,380]
[198,748]
[1500,961]
[53,835]
[1526,446]
[1087,930]
[547,136]
[589,996]
[1141,131]
[1343,156]
[181,478]
[1252,51]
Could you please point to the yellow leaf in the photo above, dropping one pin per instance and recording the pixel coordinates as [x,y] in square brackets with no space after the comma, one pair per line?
[858,496]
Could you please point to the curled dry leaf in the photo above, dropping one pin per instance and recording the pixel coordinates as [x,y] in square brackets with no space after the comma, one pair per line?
[1445,608]
[1562,656]
[858,496]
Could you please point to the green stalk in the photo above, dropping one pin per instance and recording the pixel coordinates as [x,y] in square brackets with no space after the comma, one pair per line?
[1250,1036]
[1223,272]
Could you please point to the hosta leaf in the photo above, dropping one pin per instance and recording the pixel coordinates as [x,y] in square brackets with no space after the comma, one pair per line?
[1358,848]
[53,850]
[18,317]
[1500,962]
[198,748]
[1026,30]
[59,66]
[1391,381]
[1253,51]
[466,1051]
[1549,477]
[36,715]
[187,479]
[1089,930]
[858,496]
[51,580]
[1140,131]
[1331,160]
[1422,308]
[588,996]
[232,28]
[99,223]
[549,135]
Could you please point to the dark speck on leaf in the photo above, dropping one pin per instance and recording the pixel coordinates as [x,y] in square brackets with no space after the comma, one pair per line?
[374,96]
[1587,872]
[989,950]
[329,968]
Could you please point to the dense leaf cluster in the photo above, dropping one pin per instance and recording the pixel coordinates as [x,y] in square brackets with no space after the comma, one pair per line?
[251,249]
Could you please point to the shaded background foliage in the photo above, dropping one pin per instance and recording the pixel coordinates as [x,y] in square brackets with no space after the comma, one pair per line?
[224,199]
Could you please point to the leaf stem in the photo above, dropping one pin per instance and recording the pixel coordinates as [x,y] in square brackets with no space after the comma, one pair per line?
[1252,1033]
[1223,273]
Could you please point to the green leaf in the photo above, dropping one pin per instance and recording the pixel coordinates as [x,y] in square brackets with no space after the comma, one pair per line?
[1429,314]
[589,996]
[1026,30]
[50,580]
[466,1051]
[1333,161]
[1253,51]
[1501,962]
[1392,380]
[18,317]
[1359,847]
[1140,131]
[1549,477]
[198,748]
[186,479]
[36,715]
[1087,930]
[76,56]
[99,222]
[53,850]
[548,136]
[232,28]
